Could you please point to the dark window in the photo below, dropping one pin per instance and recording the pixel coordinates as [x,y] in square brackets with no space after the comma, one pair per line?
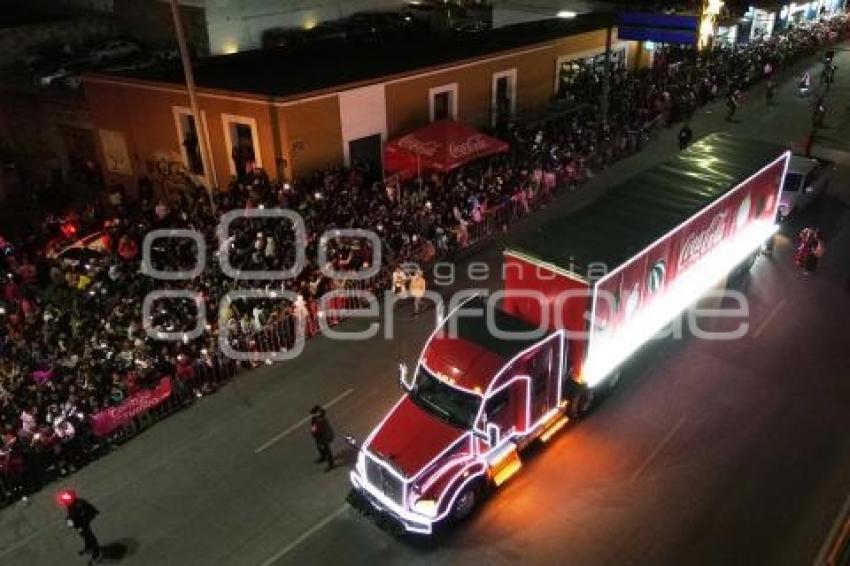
[498,410]
[503,100]
[497,404]
[792,182]
[242,151]
[442,105]
[190,143]
[244,139]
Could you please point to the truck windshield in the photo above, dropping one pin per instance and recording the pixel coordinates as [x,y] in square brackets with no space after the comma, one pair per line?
[445,402]
[792,182]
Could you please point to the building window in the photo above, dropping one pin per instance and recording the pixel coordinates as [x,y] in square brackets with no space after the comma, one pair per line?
[443,102]
[187,137]
[579,78]
[503,105]
[240,135]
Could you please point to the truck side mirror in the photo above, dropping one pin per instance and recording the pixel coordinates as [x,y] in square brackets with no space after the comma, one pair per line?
[404,377]
[493,434]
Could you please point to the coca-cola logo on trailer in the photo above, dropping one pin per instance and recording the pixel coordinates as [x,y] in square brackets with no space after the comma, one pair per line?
[472,145]
[698,243]
[411,143]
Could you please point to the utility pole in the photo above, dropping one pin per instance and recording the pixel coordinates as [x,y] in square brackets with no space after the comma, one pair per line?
[200,127]
[606,77]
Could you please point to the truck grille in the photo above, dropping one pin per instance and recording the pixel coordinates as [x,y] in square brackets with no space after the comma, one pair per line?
[384,480]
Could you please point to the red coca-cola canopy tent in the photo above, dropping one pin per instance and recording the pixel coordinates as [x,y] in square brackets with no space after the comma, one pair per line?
[440,146]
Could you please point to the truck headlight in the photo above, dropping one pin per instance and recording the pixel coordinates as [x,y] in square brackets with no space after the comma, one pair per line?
[427,507]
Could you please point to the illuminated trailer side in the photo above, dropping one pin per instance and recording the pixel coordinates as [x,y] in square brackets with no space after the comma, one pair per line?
[637,299]
[647,249]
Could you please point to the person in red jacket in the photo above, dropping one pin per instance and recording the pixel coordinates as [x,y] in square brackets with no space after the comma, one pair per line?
[128,249]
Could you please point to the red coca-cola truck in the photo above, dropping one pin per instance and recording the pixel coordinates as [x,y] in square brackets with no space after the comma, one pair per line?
[581,295]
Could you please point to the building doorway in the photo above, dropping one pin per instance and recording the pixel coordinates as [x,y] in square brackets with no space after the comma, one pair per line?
[80,150]
[366,152]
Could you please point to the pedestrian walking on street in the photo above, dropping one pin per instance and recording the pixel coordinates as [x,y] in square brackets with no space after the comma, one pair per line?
[80,515]
[817,251]
[810,143]
[770,92]
[819,113]
[731,105]
[809,250]
[323,435]
[417,290]
[805,84]
[399,282]
[686,134]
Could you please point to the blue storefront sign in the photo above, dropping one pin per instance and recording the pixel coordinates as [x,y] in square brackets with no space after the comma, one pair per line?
[658,28]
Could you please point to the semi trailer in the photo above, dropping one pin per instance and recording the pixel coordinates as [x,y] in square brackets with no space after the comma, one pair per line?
[581,295]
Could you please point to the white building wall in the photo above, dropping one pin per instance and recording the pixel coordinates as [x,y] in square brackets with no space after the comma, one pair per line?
[362,112]
[239,24]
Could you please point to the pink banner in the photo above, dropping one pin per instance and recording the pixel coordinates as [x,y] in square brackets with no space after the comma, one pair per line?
[108,420]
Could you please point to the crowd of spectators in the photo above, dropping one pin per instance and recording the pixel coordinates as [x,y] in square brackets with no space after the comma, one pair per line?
[72,338]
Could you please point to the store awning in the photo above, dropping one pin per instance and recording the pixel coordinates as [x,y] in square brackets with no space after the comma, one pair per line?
[440,146]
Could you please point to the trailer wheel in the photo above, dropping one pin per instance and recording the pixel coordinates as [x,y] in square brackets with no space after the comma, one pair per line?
[582,403]
[742,269]
[466,502]
[614,379]
[747,264]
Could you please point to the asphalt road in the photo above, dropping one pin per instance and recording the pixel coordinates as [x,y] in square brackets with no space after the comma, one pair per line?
[731,452]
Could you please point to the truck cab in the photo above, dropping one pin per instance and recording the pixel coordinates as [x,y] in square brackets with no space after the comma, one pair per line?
[478,394]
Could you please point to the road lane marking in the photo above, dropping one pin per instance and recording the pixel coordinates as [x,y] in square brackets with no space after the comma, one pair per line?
[770,316]
[18,544]
[304,536]
[658,448]
[839,534]
[302,422]
[840,544]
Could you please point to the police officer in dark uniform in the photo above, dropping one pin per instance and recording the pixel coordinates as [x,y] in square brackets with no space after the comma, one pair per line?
[80,515]
[686,134]
[323,435]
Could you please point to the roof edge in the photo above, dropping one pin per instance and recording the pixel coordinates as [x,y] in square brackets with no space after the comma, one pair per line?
[545,264]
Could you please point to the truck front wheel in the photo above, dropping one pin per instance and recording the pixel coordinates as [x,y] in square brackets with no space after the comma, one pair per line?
[466,502]
[581,404]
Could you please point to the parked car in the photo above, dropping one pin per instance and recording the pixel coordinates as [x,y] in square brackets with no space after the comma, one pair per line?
[165,55]
[114,49]
[806,179]
[326,31]
[370,24]
[46,53]
[53,75]
[282,37]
